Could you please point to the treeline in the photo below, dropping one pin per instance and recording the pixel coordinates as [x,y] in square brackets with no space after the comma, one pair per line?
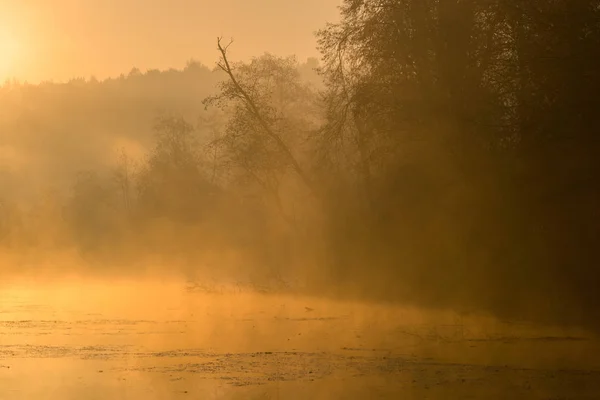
[450,160]
[50,131]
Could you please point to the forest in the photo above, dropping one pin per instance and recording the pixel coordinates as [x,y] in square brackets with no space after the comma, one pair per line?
[440,153]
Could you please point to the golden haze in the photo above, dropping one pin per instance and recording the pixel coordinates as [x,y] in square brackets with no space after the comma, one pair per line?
[62,39]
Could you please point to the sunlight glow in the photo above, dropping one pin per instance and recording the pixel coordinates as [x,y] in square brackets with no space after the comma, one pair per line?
[9,53]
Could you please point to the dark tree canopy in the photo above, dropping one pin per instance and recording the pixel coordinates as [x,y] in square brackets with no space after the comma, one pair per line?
[474,128]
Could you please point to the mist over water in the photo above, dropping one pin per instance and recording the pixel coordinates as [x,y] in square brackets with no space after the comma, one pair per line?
[149,338]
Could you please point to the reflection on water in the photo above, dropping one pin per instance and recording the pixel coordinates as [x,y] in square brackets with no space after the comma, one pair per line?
[157,340]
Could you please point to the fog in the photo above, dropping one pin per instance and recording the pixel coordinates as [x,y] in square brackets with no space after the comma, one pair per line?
[140,339]
[410,176]
[64,39]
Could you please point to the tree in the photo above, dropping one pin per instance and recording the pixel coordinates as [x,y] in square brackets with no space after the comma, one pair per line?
[272,116]
[92,211]
[262,96]
[173,184]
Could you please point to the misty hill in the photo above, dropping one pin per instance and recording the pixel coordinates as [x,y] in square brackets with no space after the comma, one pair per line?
[51,131]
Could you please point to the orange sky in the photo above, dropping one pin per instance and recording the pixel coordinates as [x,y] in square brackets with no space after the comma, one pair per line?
[60,39]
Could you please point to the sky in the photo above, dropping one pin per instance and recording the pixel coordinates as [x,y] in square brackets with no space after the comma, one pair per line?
[42,40]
